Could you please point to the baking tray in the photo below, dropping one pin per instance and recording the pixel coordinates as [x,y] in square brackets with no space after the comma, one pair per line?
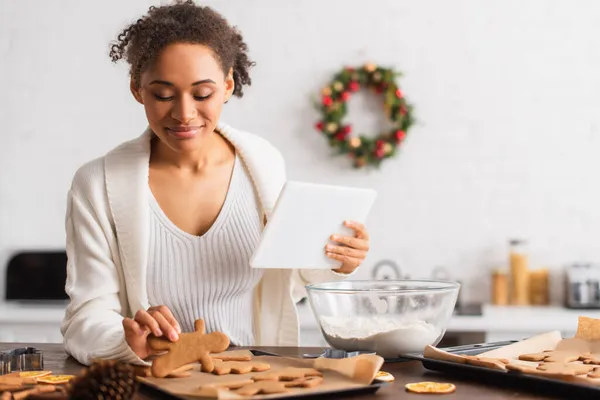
[158,393]
[537,384]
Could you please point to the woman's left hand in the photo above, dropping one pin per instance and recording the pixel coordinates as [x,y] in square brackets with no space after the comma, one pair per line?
[350,250]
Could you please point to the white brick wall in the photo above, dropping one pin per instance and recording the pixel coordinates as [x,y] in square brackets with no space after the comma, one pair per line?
[506,93]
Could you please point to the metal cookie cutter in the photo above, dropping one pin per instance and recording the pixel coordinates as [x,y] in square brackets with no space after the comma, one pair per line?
[335,353]
[21,359]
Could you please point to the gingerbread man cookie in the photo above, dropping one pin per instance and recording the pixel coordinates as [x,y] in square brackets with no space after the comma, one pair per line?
[190,347]
[238,367]
[593,359]
[565,369]
[595,373]
[181,372]
[553,369]
[226,357]
[552,356]
[308,382]
[288,374]
[230,385]
[262,387]
[249,387]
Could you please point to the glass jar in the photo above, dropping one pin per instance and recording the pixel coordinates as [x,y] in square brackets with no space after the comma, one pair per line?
[519,272]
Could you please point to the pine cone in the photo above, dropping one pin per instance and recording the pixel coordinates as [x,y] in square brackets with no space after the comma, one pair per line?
[105,380]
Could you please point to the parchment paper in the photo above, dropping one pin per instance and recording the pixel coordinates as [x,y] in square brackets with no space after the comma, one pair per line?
[355,372]
[587,340]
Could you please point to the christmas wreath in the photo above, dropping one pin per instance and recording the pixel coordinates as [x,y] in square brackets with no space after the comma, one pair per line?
[333,107]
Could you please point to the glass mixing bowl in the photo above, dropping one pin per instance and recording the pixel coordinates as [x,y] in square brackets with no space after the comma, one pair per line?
[387,317]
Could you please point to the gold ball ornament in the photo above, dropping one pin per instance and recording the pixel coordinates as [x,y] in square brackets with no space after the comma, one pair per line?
[326,91]
[377,77]
[331,127]
[370,67]
[338,86]
[387,148]
[355,142]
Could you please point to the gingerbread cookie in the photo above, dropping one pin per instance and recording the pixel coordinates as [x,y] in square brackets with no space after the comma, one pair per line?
[594,374]
[551,356]
[238,367]
[181,372]
[36,390]
[521,368]
[225,357]
[231,385]
[11,380]
[10,388]
[308,382]
[288,374]
[553,369]
[593,359]
[190,347]
[262,387]
[565,369]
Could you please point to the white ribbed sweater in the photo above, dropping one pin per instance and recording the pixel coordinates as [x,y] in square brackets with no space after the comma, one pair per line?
[209,276]
[107,247]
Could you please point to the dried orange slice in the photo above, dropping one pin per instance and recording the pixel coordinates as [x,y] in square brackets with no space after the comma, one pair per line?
[430,387]
[384,376]
[33,374]
[56,379]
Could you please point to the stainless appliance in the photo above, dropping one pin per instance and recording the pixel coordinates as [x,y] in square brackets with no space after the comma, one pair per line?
[582,286]
[36,277]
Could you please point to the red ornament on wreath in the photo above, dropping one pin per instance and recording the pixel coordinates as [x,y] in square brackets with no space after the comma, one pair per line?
[364,150]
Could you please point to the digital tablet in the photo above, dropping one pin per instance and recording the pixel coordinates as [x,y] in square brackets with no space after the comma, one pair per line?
[304,218]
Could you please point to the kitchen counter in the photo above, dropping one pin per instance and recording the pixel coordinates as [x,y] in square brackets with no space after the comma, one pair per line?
[56,360]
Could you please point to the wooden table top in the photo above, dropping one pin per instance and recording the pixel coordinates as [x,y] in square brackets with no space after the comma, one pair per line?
[56,360]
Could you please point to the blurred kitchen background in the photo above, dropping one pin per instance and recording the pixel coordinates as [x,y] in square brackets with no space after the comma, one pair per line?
[507,99]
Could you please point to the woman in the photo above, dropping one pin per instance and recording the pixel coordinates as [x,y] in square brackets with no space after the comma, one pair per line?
[160,230]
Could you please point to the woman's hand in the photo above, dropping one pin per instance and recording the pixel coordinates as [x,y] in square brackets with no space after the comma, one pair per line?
[156,320]
[351,251]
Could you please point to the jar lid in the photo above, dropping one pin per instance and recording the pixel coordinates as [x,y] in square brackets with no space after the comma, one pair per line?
[516,242]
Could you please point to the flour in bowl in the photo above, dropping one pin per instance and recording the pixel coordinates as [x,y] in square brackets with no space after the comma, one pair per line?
[388,337]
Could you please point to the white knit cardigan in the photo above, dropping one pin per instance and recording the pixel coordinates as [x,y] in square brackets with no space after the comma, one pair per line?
[107,248]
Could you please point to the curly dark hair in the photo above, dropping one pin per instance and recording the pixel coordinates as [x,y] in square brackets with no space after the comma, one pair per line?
[183,22]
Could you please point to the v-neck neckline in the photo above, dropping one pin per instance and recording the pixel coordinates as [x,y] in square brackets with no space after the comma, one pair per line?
[219,220]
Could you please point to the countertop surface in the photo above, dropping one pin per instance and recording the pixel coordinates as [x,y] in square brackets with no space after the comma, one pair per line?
[56,360]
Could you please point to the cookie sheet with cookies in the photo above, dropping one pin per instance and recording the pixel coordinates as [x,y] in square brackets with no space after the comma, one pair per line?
[201,365]
[575,360]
